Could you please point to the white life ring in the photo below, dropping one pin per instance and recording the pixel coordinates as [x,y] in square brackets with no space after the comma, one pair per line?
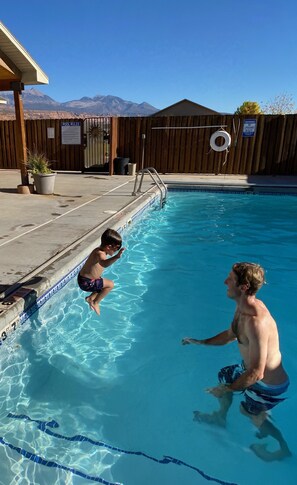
[220,133]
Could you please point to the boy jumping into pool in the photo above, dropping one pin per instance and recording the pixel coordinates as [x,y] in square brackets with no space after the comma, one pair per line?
[89,277]
[260,379]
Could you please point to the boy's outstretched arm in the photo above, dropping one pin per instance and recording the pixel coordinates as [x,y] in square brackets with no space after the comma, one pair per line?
[106,262]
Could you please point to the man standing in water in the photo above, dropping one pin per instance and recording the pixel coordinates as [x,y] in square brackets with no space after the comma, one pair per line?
[260,378]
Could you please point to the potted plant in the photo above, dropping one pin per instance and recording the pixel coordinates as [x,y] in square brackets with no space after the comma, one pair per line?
[44,177]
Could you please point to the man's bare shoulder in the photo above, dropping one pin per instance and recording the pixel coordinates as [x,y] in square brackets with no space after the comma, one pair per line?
[256,308]
[262,313]
[260,320]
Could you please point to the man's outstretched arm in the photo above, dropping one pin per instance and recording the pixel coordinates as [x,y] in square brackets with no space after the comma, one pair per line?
[222,338]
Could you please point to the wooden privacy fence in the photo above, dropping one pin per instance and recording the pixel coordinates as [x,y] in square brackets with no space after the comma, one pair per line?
[63,157]
[179,144]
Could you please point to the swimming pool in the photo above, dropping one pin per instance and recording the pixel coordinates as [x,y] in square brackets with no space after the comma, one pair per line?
[121,387]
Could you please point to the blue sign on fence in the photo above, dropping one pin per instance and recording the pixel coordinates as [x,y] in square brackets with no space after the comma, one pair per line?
[249,127]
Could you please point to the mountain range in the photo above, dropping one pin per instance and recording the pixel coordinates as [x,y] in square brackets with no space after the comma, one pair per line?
[98,105]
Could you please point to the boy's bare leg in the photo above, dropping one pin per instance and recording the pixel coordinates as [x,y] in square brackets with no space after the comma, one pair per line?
[89,299]
[95,298]
[99,297]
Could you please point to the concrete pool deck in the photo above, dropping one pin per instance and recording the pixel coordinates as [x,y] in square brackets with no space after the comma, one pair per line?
[41,236]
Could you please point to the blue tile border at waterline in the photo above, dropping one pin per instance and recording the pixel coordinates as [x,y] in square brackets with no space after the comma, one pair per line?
[244,190]
[25,315]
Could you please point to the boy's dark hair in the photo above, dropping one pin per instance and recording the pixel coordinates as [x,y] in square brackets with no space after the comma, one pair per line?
[111,237]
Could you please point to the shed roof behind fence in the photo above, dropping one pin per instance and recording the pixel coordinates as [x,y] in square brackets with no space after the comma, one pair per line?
[16,64]
[185,107]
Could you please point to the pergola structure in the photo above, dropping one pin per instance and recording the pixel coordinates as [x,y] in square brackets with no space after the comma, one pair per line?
[17,69]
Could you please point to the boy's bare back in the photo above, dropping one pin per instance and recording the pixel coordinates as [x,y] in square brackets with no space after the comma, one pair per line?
[92,268]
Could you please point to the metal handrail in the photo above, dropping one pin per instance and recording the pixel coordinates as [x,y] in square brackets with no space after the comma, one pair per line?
[152,172]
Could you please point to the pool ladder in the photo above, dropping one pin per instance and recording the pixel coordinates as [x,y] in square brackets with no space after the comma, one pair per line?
[156,179]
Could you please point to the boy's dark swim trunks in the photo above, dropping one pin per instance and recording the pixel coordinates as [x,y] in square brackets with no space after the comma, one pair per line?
[86,284]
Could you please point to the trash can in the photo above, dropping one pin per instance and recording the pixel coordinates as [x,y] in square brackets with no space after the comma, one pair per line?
[120,165]
[132,169]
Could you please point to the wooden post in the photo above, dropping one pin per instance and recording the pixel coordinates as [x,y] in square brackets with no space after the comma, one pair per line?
[113,142]
[21,136]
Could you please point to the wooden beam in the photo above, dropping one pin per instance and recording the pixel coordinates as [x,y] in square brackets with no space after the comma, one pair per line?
[21,137]
[5,84]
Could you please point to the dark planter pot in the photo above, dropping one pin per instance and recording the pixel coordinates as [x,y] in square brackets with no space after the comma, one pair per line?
[120,165]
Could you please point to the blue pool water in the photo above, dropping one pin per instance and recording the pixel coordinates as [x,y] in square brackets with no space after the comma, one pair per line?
[104,399]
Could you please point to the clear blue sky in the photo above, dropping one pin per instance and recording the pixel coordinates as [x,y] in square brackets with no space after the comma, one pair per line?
[214,53]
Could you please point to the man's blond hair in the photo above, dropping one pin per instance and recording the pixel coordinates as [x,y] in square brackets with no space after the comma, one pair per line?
[250,274]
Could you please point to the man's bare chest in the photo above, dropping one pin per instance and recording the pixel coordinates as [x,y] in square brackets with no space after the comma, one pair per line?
[238,328]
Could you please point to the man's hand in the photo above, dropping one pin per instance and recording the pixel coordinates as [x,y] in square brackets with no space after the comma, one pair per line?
[219,390]
[188,340]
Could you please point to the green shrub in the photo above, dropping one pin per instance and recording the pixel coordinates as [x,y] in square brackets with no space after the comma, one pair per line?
[38,163]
